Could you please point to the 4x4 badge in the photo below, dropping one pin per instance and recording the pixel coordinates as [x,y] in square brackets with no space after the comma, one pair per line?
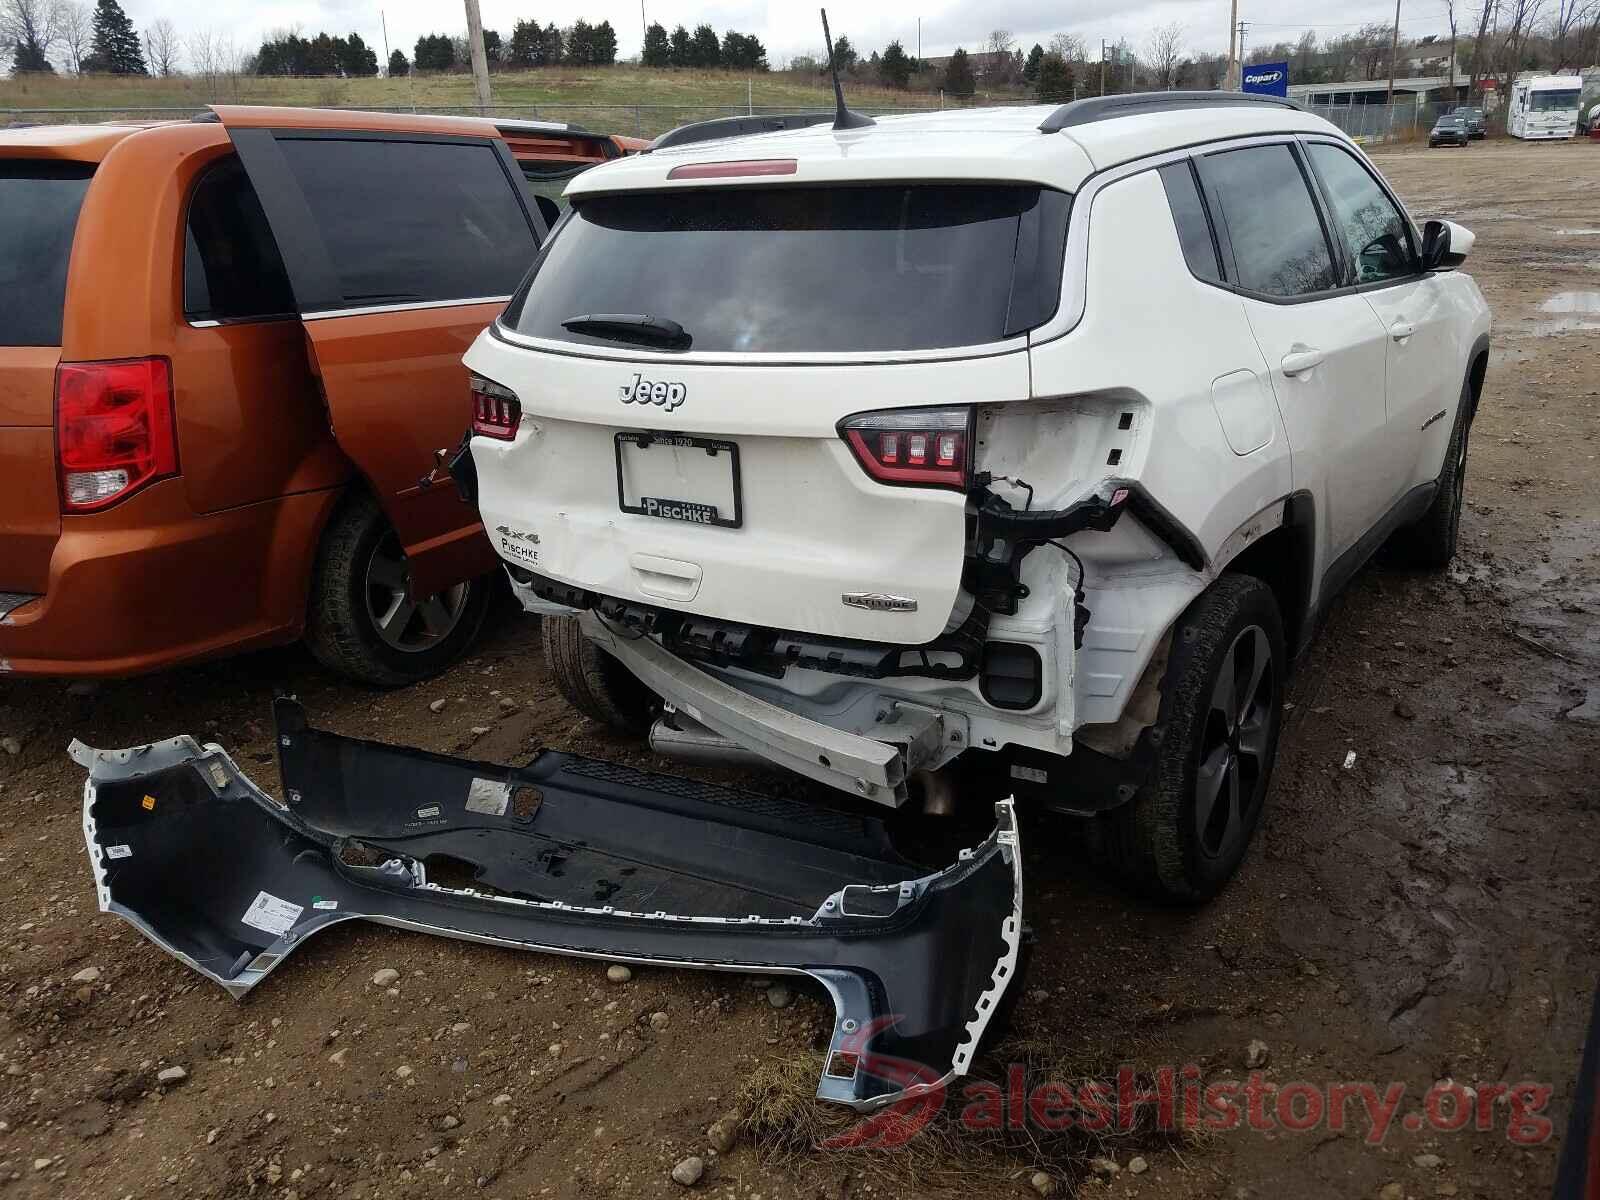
[646,391]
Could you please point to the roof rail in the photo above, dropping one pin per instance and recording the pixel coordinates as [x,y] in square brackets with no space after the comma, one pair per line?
[1108,108]
[727,127]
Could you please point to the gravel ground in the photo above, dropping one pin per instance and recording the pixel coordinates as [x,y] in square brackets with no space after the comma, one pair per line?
[1427,913]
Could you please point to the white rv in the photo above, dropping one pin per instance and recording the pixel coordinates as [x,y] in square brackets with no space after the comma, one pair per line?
[1544,107]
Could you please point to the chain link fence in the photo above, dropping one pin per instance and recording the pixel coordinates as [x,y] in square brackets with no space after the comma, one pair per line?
[635,120]
[1403,121]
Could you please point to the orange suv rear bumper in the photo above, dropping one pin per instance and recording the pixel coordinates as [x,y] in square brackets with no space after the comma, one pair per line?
[149,584]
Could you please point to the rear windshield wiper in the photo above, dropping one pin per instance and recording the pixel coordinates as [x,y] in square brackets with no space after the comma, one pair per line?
[630,327]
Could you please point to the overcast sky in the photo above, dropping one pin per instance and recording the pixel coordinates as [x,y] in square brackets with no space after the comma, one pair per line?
[789,27]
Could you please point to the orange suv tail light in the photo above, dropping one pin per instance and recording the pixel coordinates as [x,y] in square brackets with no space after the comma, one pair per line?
[115,430]
[918,447]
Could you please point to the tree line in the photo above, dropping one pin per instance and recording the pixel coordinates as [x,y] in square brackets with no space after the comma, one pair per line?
[702,48]
[530,45]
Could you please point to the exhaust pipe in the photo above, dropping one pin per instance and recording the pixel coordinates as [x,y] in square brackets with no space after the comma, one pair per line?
[677,735]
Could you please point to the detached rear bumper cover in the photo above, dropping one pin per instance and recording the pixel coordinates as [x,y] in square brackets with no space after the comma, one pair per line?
[569,856]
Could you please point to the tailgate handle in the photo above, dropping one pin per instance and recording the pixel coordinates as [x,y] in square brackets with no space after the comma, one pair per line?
[666,578]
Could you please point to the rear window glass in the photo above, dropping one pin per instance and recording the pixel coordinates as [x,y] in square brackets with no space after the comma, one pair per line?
[39,205]
[414,221]
[231,267]
[797,269]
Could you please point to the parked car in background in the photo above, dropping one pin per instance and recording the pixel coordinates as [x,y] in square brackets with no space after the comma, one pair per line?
[1476,129]
[229,351]
[1449,130]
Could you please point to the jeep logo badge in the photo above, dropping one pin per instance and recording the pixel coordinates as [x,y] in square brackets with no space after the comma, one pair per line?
[646,391]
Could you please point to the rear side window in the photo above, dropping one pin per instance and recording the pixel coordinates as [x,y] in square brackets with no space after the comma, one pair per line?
[1275,233]
[800,269]
[39,204]
[413,221]
[1189,214]
[231,267]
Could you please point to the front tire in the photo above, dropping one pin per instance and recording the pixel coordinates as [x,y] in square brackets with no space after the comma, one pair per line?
[362,621]
[1431,542]
[593,682]
[1184,834]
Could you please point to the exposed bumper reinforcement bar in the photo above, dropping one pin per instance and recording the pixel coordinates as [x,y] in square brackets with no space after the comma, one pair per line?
[567,855]
[863,766]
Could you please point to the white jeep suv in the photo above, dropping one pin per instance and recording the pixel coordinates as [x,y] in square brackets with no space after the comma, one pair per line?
[1032,437]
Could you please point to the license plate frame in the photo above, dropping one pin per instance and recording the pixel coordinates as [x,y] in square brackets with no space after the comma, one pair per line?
[644,440]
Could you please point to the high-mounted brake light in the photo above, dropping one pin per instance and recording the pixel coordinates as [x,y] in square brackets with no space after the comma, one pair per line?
[496,411]
[921,447]
[734,170]
[115,430]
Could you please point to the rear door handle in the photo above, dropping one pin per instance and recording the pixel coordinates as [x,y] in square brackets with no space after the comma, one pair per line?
[1401,330]
[1299,361]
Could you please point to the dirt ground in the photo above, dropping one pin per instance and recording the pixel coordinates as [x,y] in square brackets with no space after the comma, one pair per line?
[1428,913]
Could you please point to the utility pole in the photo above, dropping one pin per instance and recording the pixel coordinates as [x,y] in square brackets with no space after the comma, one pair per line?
[1394,50]
[1244,28]
[1102,66]
[384,21]
[644,25]
[919,43]
[480,60]
[1230,82]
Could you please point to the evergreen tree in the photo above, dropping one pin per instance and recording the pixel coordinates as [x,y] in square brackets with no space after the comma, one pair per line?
[605,44]
[117,49]
[1030,69]
[493,50]
[550,50]
[657,49]
[322,58]
[28,55]
[527,41]
[680,47]
[705,48]
[1054,83]
[578,44]
[743,52]
[894,67]
[844,54]
[434,52]
[958,80]
[398,66]
[356,59]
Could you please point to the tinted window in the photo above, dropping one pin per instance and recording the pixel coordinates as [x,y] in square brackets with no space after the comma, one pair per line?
[231,268]
[550,179]
[1276,238]
[1189,214]
[39,205]
[1363,216]
[808,269]
[413,220]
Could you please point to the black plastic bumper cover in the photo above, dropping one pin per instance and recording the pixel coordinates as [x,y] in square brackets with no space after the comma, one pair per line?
[569,856]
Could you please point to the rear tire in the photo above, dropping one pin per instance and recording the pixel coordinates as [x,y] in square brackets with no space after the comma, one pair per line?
[1184,834]
[593,682]
[1430,544]
[363,625]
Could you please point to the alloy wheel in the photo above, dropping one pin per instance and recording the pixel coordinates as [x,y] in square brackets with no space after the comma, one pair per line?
[1234,745]
[404,624]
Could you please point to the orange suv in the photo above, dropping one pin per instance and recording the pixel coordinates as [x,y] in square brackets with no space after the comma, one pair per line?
[230,350]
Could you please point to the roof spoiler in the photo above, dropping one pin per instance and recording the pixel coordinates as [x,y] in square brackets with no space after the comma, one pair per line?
[727,127]
[1107,108]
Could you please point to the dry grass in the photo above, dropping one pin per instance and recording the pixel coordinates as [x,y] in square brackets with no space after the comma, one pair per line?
[610,95]
[788,1128]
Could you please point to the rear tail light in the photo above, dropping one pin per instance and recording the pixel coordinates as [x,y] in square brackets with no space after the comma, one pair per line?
[115,431]
[924,447]
[496,411]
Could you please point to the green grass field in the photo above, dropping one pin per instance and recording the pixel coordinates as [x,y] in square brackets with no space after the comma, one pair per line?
[608,96]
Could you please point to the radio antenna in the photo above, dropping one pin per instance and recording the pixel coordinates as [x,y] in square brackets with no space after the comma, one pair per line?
[843,118]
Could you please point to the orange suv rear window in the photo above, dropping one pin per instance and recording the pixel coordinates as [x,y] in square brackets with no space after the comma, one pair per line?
[39,203]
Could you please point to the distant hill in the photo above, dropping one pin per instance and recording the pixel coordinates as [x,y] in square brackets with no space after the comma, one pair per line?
[620,99]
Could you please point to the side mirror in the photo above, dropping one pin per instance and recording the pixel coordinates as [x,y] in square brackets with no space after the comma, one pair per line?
[1444,245]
